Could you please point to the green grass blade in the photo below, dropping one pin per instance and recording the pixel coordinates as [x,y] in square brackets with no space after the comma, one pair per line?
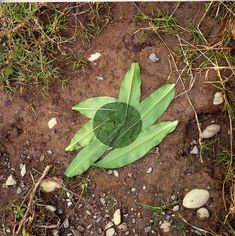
[89,106]
[152,107]
[130,86]
[82,138]
[86,158]
[147,139]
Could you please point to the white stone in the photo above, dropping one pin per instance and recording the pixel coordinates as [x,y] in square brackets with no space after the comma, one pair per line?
[203,213]
[22,170]
[10,181]
[109,172]
[50,208]
[66,223]
[52,123]
[165,226]
[195,150]
[153,57]
[94,57]
[110,232]
[49,185]
[218,98]
[115,173]
[196,198]
[176,208]
[102,200]
[210,131]
[149,170]
[117,217]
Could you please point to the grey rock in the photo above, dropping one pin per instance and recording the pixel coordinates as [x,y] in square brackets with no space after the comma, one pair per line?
[153,57]
[210,131]
[109,172]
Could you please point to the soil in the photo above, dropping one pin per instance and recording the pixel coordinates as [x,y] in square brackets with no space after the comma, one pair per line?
[26,138]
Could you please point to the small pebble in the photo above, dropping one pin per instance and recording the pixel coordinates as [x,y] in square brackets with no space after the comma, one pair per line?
[8,230]
[102,200]
[210,131]
[203,214]
[109,172]
[133,189]
[94,57]
[66,223]
[55,232]
[147,229]
[153,57]
[88,227]
[110,232]
[195,150]
[123,227]
[52,123]
[149,170]
[176,208]
[218,98]
[22,170]
[50,208]
[10,181]
[115,173]
[80,228]
[165,226]
[144,187]
[88,212]
[19,190]
[99,78]
[109,225]
[42,158]
[49,152]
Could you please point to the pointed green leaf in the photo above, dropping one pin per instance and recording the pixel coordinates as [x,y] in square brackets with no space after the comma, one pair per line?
[152,107]
[130,86]
[89,106]
[85,158]
[82,137]
[147,139]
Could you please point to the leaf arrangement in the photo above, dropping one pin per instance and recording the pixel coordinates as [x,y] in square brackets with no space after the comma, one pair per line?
[122,128]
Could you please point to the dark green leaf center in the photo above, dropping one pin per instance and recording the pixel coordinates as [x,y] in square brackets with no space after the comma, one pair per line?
[117,124]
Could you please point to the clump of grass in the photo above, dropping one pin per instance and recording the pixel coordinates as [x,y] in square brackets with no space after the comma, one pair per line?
[29,37]
[160,22]
[97,16]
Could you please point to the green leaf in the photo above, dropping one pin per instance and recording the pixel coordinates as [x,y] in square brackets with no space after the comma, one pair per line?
[85,158]
[147,139]
[152,107]
[82,137]
[130,86]
[89,106]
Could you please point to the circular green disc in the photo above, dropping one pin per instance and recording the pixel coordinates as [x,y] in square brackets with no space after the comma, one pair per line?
[117,124]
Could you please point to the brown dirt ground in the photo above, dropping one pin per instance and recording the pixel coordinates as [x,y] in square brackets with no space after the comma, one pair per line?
[25,136]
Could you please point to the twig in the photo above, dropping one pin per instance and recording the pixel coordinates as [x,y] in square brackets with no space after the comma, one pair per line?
[31,197]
